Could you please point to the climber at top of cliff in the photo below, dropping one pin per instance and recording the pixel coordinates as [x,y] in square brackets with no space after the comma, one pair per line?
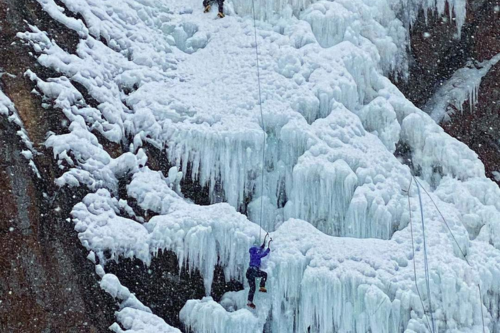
[253,272]
[208,5]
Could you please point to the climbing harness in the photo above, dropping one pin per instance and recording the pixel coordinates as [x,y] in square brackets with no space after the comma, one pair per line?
[425,252]
[262,121]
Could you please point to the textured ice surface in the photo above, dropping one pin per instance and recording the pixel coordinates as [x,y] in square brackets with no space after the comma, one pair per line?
[208,117]
[336,132]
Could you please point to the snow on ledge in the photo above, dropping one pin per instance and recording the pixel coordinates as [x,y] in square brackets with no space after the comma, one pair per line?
[134,316]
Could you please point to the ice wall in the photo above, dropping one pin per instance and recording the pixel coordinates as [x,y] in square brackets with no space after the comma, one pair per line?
[350,196]
[338,287]
[220,144]
[353,285]
[164,73]
[385,24]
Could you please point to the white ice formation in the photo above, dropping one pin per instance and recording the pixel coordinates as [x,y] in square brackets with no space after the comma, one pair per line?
[336,134]
[462,87]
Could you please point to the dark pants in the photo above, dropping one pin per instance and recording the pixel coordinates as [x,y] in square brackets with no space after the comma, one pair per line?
[252,273]
[220,2]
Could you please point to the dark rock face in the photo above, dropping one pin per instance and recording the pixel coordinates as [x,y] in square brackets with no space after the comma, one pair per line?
[480,129]
[437,53]
[46,282]
[164,288]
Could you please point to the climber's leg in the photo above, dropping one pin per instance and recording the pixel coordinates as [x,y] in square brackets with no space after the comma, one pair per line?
[207,5]
[263,276]
[251,274]
[221,8]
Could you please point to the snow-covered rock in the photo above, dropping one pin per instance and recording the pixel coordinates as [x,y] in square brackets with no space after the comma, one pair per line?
[133,316]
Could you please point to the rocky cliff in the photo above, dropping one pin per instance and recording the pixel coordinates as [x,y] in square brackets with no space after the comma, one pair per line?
[46,282]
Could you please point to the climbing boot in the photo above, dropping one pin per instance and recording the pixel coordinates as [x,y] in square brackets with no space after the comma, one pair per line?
[263,289]
[251,305]
[221,15]
[207,9]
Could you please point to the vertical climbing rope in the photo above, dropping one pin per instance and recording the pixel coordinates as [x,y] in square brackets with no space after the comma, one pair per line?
[262,121]
[414,263]
[454,239]
[426,263]
[461,251]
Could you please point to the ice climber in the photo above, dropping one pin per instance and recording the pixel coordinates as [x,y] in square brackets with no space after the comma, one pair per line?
[208,5]
[253,272]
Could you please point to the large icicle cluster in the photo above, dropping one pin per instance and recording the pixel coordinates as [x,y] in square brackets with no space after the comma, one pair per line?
[201,236]
[334,130]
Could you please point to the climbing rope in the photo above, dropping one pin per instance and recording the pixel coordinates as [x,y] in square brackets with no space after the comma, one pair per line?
[414,261]
[426,262]
[460,248]
[262,121]
[453,237]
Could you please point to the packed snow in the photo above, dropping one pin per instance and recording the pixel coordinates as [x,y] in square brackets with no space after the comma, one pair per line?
[335,177]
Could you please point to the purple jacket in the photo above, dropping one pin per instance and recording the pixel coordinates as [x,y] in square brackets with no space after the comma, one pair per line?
[256,254]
